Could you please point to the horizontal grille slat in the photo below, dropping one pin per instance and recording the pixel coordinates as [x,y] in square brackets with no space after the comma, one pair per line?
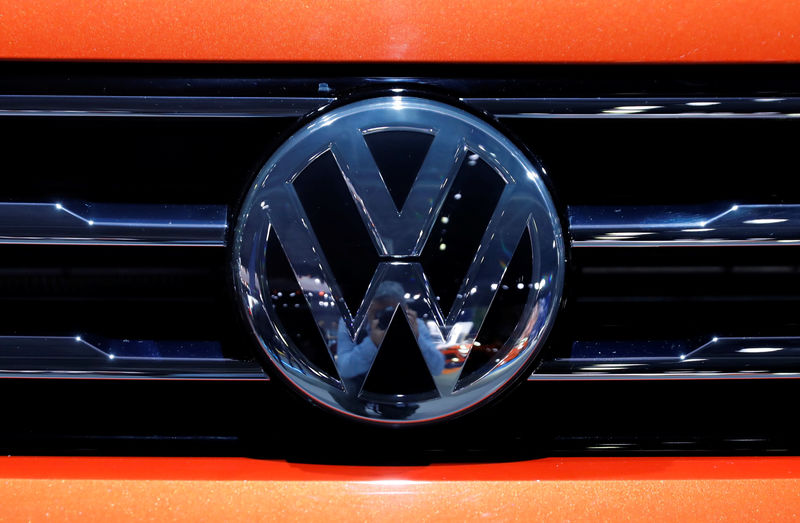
[80,223]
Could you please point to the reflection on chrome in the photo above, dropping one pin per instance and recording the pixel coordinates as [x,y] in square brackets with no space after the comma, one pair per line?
[654,226]
[79,223]
[158,106]
[719,357]
[639,107]
[399,297]
[354,357]
[83,357]
[293,106]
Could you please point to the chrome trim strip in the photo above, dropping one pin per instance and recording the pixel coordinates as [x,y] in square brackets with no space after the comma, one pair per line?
[672,107]
[682,226]
[66,357]
[278,106]
[113,224]
[226,372]
[159,106]
[756,357]
[664,376]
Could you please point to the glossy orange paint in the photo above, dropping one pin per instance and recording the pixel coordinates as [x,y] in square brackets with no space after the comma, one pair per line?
[403,30]
[575,488]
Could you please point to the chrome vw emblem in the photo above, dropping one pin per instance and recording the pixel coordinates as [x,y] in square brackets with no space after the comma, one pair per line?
[401,352]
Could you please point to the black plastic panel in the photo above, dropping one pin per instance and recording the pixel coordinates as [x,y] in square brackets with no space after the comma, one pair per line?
[666,161]
[337,79]
[135,293]
[262,419]
[130,160]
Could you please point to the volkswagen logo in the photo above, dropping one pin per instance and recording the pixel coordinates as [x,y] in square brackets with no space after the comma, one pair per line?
[399,260]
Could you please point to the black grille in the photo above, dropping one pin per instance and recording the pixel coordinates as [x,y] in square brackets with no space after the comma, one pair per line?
[202,143]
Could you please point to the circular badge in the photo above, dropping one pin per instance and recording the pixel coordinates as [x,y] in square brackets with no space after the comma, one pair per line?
[399,260]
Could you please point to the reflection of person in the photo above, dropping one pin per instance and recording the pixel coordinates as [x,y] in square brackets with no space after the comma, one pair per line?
[354,359]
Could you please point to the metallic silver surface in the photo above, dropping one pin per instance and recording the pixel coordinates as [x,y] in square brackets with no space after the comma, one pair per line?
[277,106]
[273,207]
[720,357]
[660,376]
[683,226]
[70,223]
[74,357]
[627,108]
[158,106]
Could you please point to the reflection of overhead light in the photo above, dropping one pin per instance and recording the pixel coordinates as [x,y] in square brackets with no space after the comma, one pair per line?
[520,286]
[613,237]
[768,100]
[701,229]
[445,219]
[638,107]
[629,233]
[494,286]
[759,350]
[631,109]
[442,246]
[764,221]
[702,104]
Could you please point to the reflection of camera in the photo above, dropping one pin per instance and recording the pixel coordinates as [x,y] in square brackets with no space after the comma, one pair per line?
[384,317]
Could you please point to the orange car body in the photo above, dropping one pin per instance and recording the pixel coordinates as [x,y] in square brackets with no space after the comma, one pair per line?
[407,30]
[553,31]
